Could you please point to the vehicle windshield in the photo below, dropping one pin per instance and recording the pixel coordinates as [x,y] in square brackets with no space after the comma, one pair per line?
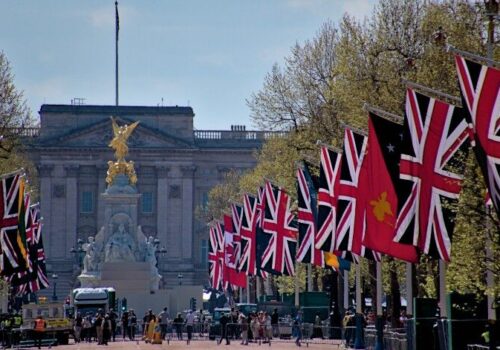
[247,309]
[218,314]
[91,310]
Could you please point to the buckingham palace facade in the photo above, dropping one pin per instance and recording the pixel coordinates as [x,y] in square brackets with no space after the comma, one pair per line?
[176,167]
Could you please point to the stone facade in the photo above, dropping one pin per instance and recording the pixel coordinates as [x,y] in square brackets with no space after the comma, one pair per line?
[176,167]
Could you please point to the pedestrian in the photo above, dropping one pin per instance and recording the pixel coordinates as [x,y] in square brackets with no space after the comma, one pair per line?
[224,320]
[275,323]
[254,326]
[125,326]
[244,329]
[132,322]
[106,329]
[78,327]
[164,319]
[87,329]
[178,323]
[317,331]
[39,330]
[297,328]
[113,318]
[98,323]
[189,325]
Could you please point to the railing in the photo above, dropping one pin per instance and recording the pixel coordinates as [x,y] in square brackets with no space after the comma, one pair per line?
[236,135]
[25,132]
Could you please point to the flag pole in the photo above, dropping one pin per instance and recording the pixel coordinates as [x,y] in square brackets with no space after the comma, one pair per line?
[117,28]
[359,318]
[309,278]
[346,289]
[409,289]
[379,325]
[248,289]
[442,289]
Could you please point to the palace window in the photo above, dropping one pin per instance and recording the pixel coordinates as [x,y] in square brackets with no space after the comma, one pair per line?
[87,202]
[204,252]
[147,202]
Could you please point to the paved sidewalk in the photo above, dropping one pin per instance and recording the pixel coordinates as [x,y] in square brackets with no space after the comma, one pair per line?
[195,345]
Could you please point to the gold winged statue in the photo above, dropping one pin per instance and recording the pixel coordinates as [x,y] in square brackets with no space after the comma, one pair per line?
[119,144]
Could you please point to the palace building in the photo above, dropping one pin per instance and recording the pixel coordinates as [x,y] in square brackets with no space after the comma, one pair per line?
[176,167]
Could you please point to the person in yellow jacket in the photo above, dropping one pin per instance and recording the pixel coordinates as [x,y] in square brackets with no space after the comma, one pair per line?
[150,329]
[39,330]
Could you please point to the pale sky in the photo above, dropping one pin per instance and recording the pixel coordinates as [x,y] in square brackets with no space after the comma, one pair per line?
[208,54]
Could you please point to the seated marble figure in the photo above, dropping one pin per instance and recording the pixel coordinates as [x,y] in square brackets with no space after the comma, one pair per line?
[120,246]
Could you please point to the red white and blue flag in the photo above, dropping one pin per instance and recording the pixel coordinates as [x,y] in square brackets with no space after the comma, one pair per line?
[480,86]
[307,219]
[351,213]
[215,258]
[232,277]
[329,180]
[281,228]
[433,135]
[247,235]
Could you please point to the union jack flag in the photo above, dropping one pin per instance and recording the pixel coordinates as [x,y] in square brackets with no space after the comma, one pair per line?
[307,217]
[231,250]
[236,216]
[329,179]
[434,133]
[480,86]
[351,214]
[35,278]
[247,234]
[280,224]
[261,240]
[11,197]
[215,258]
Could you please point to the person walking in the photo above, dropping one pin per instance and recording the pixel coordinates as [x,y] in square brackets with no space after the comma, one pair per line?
[87,329]
[224,320]
[275,323]
[164,319]
[98,323]
[124,323]
[132,323]
[189,326]
[78,327]
[244,329]
[106,330]
[178,323]
[113,316]
[297,328]
[39,330]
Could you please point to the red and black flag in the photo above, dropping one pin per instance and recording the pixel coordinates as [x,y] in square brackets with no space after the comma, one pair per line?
[329,180]
[281,228]
[434,135]
[307,218]
[381,201]
[480,86]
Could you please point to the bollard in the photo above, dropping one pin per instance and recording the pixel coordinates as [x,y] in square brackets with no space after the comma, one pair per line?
[379,325]
[358,341]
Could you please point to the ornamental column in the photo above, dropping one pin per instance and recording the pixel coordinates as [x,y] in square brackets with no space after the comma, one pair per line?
[161,207]
[187,212]
[71,208]
[45,174]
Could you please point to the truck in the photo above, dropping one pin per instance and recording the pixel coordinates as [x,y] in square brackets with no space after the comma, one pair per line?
[59,327]
[89,301]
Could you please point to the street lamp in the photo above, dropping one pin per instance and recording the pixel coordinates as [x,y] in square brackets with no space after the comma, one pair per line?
[78,252]
[54,295]
[180,277]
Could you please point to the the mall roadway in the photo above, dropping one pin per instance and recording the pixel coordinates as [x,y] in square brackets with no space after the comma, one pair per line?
[201,345]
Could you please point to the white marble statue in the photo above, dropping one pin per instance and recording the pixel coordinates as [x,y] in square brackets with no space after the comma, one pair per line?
[91,259]
[150,257]
[120,246]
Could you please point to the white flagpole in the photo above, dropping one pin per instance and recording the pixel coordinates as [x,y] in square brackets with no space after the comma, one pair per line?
[442,289]
[346,289]
[309,278]
[359,308]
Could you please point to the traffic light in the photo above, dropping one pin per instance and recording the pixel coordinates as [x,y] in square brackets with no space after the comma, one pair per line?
[124,304]
[192,304]
[117,303]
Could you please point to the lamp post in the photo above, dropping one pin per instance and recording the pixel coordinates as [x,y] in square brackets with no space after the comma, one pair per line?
[78,252]
[180,277]
[54,294]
